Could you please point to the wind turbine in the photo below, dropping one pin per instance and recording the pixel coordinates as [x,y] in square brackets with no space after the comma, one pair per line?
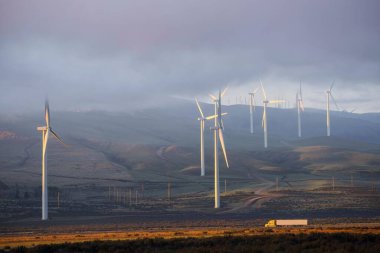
[45,130]
[264,121]
[218,136]
[202,120]
[300,108]
[329,95]
[251,107]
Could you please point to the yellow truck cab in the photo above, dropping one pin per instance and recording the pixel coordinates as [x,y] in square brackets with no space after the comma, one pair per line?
[271,224]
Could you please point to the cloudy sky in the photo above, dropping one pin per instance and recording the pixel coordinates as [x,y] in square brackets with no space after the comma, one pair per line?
[126,55]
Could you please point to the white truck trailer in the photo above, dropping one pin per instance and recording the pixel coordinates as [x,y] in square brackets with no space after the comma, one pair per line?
[275,223]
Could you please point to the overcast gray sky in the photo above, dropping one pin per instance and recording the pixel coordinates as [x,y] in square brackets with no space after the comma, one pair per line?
[125,55]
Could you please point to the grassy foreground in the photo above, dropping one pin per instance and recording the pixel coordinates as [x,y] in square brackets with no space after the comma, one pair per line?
[313,242]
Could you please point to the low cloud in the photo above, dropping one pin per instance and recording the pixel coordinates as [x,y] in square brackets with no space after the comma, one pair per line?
[126,55]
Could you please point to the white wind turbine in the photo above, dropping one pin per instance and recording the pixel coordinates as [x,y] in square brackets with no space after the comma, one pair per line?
[45,136]
[264,121]
[202,120]
[251,107]
[218,136]
[329,95]
[300,107]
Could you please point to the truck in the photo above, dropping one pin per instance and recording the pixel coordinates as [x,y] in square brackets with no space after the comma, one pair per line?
[275,223]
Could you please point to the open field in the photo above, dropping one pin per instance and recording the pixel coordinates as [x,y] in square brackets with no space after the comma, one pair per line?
[29,239]
[313,243]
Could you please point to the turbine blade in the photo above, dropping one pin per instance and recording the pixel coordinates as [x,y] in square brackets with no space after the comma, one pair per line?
[332,85]
[223,146]
[211,117]
[45,140]
[47,113]
[215,116]
[300,90]
[333,99]
[224,91]
[262,89]
[213,98]
[220,109]
[302,106]
[58,138]
[276,101]
[199,108]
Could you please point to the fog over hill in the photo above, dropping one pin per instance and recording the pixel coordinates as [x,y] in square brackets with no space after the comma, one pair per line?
[178,125]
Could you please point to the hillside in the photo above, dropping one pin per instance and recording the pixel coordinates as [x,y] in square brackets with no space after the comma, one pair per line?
[163,144]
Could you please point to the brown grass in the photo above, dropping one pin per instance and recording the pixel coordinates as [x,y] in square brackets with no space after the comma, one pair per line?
[29,240]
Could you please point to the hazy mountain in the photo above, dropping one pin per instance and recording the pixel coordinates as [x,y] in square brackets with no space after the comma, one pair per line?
[162,144]
[179,125]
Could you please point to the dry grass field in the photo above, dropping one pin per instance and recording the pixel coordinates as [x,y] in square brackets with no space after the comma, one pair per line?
[34,239]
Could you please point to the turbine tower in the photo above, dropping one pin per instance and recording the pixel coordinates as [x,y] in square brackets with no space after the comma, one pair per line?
[45,130]
[264,121]
[202,120]
[251,107]
[300,108]
[218,136]
[328,96]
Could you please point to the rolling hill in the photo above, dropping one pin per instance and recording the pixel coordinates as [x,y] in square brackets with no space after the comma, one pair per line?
[163,144]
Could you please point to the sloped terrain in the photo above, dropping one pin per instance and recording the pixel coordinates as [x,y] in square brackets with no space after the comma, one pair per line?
[149,160]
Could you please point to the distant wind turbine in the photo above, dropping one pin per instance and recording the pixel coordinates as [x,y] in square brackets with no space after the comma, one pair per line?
[218,132]
[264,121]
[251,107]
[329,95]
[202,120]
[45,136]
[300,107]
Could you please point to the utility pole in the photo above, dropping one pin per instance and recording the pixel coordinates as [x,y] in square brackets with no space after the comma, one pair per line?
[225,185]
[352,181]
[169,191]
[276,184]
[373,185]
[130,196]
[333,183]
[58,199]
[136,198]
